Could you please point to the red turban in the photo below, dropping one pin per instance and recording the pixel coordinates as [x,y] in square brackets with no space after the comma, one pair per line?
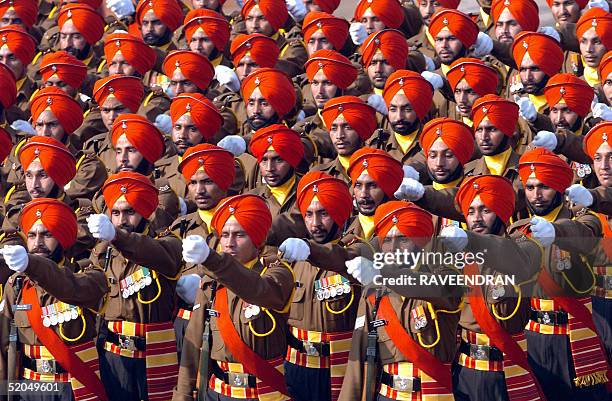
[581,3]
[360,115]
[410,220]
[141,133]
[390,12]
[337,68]
[605,66]
[262,49]
[8,94]
[6,144]
[525,12]
[335,29]
[599,134]
[481,78]
[67,68]
[56,216]
[275,87]
[384,169]
[575,92]
[449,3]
[85,19]
[135,188]
[203,112]
[391,43]
[56,159]
[169,12]
[458,23]
[549,168]
[502,113]
[285,141]
[455,134]
[495,192]
[128,90]
[194,66]
[27,10]
[333,194]
[134,50]
[416,88]
[599,19]
[250,211]
[327,6]
[216,162]
[545,51]
[214,25]
[19,42]
[64,107]
[275,11]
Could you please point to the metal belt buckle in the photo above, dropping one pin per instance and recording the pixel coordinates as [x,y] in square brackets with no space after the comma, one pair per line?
[127,343]
[479,352]
[46,366]
[310,349]
[546,318]
[401,383]
[608,282]
[238,379]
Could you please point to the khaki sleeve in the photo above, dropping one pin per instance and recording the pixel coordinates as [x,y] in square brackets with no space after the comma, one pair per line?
[352,386]
[89,178]
[160,254]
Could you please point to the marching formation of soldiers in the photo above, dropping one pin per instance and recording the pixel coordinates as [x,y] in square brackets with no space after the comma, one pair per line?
[193,201]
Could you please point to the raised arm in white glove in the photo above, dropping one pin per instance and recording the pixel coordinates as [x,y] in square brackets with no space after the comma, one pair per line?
[550,31]
[16,257]
[527,109]
[434,79]
[23,126]
[121,8]
[410,172]
[234,144]
[454,238]
[379,104]
[410,190]
[297,9]
[483,45]
[358,33]
[294,250]
[430,64]
[227,77]
[163,122]
[542,231]
[195,249]
[101,227]
[182,206]
[579,195]
[187,287]
[598,3]
[603,111]
[362,269]
[545,139]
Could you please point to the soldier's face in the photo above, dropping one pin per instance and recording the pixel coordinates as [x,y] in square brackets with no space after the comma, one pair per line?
[465,97]
[10,17]
[180,84]
[154,32]
[201,43]
[322,89]
[402,117]
[480,219]
[125,217]
[236,241]
[119,65]
[55,81]
[562,117]
[72,41]
[344,138]
[607,88]
[318,41]
[441,161]
[372,22]
[448,47]
[427,8]
[591,48]
[38,183]
[312,6]
[318,222]
[532,77]
[40,241]
[602,164]
[274,170]
[245,66]
[110,110]
[260,112]
[208,4]
[203,190]
[8,58]
[539,196]
[489,139]
[396,240]
[368,195]
[48,125]
[127,157]
[256,22]
[185,134]
[379,70]
[507,27]
[565,10]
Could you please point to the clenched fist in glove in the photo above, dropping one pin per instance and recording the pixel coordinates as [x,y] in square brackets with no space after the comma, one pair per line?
[358,33]
[195,249]
[483,45]
[121,8]
[187,287]
[227,77]
[410,189]
[294,250]
[101,227]
[579,195]
[379,104]
[527,109]
[542,231]
[361,269]
[16,257]
[434,79]
[546,140]
[233,143]
[454,238]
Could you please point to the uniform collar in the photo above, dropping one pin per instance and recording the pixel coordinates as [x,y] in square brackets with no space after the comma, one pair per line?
[344,161]
[438,186]
[552,216]
[206,216]
[282,192]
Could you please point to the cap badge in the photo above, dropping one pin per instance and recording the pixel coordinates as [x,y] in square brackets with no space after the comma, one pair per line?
[594,22]
[439,131]
[507,3]
[562,90]
[484,109]
[36,152]
[315,188]
[401,82]
[69,14]
[232,209]
[123,125]
[150,4]
[340,108]
[320,64]
[319,24]
[248,45]
[476,186]
[123,189]
[604,136]
[188,107]
[364,163]
[111,89]
[257,81]
[525,44]
[177,63]
[200,161]
[4,39]
[54,68]
[462,68]
[395,219]
[118,43]
[38,213]
[270,140]
[199,21]
[49,101]
[532,167]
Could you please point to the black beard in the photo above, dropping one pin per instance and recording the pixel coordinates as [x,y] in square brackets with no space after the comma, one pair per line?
[503,145]
[286,178]
[131,229]
[539,87]
[574,128]
[543,212]
[452,177]
[153,40]
[497,228]
[410,127]
[331,235]
[79,54]
[56,255]
[144,167]
[266,122]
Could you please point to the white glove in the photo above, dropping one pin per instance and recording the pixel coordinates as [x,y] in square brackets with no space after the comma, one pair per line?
[233,143]
[16,257]
[182,206]
[550,31]
[483,45]
[598,3]
[410,189]
[545,139]
[431,66]
[454,238]
[101,227]
[23,126]
[239,3]
[434,79]
[579,195]
[362,269]
[163,122]
[527,109]
[187,287]
[378,103]
[297,9]
[84,98]
[121,8]
[543,231]
[301,115]
[410,172]
[227,77]
[195,249]
[358,33]
[603,111]
[294,250]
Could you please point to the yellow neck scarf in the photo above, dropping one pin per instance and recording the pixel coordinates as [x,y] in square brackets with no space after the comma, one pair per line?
[437,186]
[539,102]
[281,192]
[367,225]
[497,164]
[344,161]
[206,216]
[405,142]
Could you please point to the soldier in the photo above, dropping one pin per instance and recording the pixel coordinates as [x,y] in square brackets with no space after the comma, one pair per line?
[142,270]
[376,15]
[80,28]
[53,338]
[566,10]
[593,33]
[157,21]
[325,31]
[128,55]
[453,34]
[428,8]
[7,96]
[604,92]
[207,32]
[511,17]
[236,340]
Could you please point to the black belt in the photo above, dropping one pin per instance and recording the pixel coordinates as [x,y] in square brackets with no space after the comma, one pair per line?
[552,318]
[308,347]
[234,379]
[130,343]
[481,352]
[43,366]
[400,383]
